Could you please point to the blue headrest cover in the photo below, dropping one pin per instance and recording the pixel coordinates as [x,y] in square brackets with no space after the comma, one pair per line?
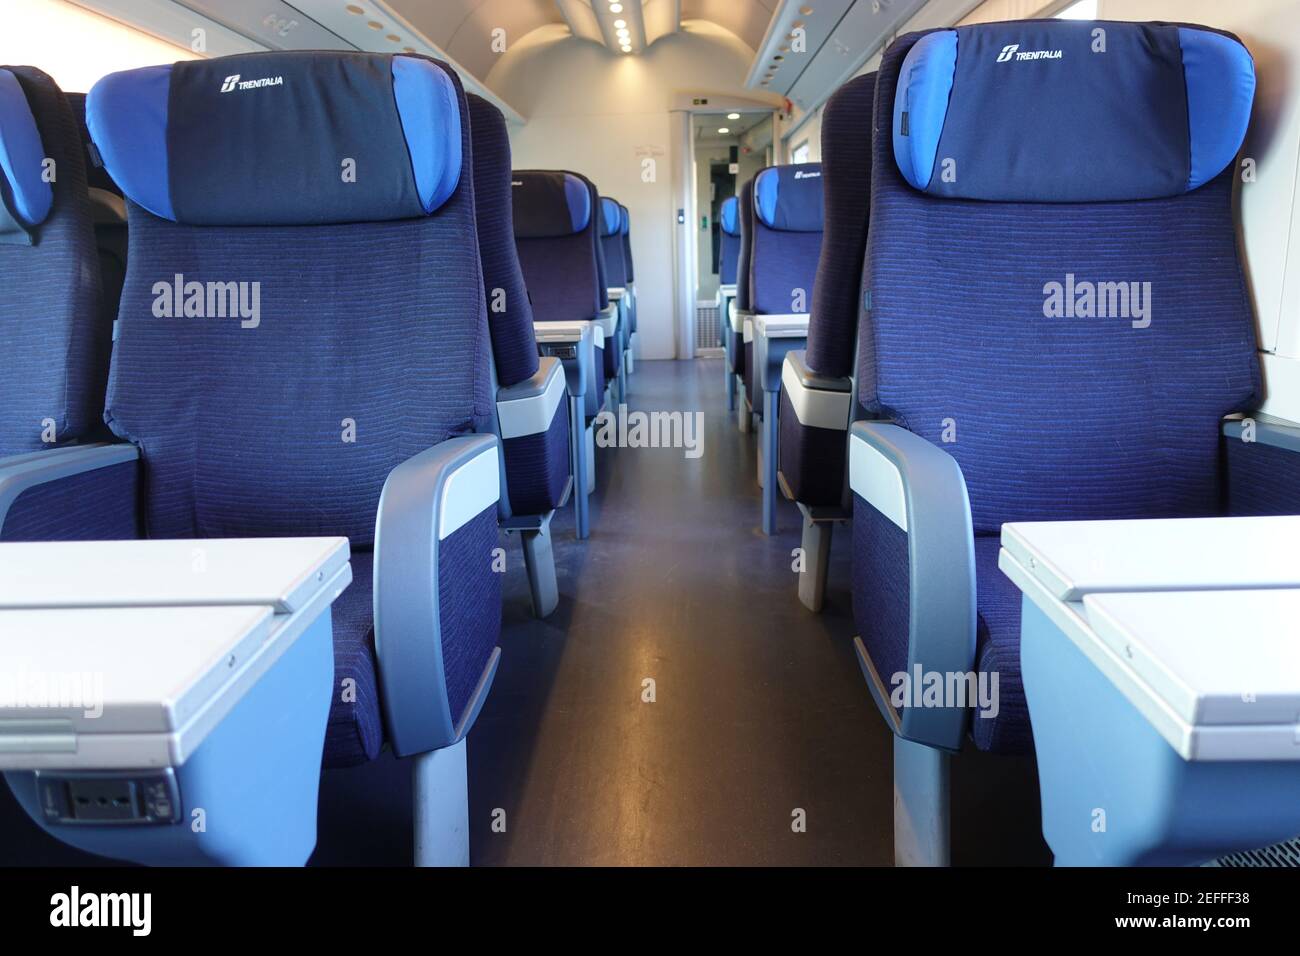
[1070,111]
[549,203]
[789,198]
[23,187]
[729,217]
[611,221]
[284,138]
[626,226]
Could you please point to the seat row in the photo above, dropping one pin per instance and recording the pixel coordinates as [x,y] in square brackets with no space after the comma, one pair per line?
[223,317]
[1028,306]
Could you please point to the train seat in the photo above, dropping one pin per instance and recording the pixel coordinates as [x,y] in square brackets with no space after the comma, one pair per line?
[728,260]
[611,248]
[555,223]
[787,221]
[270,384]
[56,317]
[1031,289]
[817,382]
[629,282]
[533,417]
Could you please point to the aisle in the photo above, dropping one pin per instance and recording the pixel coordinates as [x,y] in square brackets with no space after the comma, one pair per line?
[759,708]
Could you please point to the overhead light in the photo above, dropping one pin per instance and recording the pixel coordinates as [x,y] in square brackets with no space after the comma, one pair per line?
[353,8]
[723,131]
[806,11]
[616,8]
[733,116]
[627,49]
[624,34]
[620,24]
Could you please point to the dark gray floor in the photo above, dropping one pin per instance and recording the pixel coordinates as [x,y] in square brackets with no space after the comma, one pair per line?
[760,709]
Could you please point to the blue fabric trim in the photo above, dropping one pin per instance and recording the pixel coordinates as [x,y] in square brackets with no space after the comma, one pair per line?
[430,115]
[1220,91]
[730,216]
[611,218]
[579,199]
[126,114]
[767,192]
[921,102]
[626,226]
[21,154]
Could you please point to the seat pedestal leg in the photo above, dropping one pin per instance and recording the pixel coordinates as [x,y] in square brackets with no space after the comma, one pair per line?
[742,407]
[769,460]
[442,807]
[816,546]
[577,436]
[922,793]
[539,562]
[729,382]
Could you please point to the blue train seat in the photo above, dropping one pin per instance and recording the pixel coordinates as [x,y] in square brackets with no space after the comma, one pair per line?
[787,222]
[533,418]
[728,259]
[740,331]
[611,247]
[817,383]
[56,314]
[269,387]
[555,224]
[1106,177]
[629,283]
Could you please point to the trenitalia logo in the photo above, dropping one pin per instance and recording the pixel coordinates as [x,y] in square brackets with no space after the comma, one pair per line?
[232,83]
[803,175]
[1012,52]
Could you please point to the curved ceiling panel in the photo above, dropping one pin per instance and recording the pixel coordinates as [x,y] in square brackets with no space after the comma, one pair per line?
[747,19]
[463,28]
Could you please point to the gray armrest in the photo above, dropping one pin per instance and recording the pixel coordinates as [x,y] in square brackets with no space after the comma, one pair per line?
[426,499]
[607,320]
[529,407]
[919,487]
[23,472]
[1286,437]
[573,343]
[774,337]
[819,401]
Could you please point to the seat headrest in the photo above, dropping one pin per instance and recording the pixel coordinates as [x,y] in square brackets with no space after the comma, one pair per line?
[729,217]
[283,138]
[549,203]
[611,220]
[1070,111]
[26,194]
[626,226]
[789,198]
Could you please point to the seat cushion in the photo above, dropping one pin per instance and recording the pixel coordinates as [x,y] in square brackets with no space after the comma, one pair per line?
[997,651]
[355,731]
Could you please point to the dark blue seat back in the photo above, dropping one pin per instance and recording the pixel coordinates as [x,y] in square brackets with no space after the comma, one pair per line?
[787,224]
[510,314]
[729,240]
[746,210]
[627,245]
[370,344]
[846,170]
[611,242]
[1059,417]
[55,329]
[555,222]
